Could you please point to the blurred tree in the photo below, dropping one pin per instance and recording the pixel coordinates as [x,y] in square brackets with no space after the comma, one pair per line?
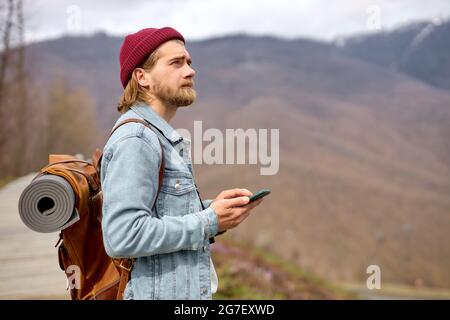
[7,13]
[21,89]
[72,126]
[13,90]
[5,28]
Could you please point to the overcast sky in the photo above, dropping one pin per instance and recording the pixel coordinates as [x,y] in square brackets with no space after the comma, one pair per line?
[200,19]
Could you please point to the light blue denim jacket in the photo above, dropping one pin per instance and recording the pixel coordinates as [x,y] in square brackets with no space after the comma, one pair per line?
[168,233]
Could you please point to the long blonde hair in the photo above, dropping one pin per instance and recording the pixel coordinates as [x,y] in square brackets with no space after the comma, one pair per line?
[134,92]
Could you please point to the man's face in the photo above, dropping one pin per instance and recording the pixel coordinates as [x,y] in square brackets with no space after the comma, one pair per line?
[171,79]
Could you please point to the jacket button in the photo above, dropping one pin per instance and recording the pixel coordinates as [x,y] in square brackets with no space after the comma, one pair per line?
[177,184]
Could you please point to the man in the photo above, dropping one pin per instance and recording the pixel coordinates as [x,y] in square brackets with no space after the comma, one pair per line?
[167,233]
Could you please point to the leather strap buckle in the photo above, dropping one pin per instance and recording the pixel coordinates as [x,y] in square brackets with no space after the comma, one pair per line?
[129,267]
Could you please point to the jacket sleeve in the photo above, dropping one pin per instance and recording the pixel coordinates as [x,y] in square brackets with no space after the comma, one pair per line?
[130,185]
[207,202]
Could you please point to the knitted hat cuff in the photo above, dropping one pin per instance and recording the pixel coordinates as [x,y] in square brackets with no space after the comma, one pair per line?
[138,46]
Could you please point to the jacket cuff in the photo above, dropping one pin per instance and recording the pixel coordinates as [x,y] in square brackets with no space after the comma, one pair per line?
[210,222]
[207,203]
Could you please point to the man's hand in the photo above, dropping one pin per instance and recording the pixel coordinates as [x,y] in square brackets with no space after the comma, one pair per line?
[233,193]
[232,207]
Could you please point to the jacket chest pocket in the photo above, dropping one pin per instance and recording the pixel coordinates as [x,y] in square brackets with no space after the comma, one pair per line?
[176,195]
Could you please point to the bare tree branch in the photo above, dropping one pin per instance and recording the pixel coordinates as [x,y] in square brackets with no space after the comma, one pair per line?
[4,61]
[21,110]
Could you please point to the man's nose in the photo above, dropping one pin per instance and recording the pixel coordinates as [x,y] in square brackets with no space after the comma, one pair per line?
[190,73]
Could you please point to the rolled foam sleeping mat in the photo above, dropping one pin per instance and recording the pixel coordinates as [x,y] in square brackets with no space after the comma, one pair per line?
[47,204]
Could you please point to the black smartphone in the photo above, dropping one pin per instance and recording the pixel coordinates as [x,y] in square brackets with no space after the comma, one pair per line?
[261,193]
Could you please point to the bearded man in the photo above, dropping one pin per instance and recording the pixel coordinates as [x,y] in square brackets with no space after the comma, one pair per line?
[152,211]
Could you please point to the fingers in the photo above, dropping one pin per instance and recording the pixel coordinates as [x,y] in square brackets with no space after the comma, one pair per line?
[231,212]
[246,192]
[254,203]
[236,202]
[233,193]
[251,205]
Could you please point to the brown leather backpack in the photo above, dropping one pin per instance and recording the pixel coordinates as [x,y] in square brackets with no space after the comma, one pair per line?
[100,276]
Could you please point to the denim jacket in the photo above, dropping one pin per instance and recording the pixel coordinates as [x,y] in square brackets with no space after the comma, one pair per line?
[167,233]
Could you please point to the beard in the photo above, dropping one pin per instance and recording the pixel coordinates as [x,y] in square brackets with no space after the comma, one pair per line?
[182,97]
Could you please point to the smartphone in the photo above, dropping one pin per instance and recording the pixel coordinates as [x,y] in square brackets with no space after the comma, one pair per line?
[261,193]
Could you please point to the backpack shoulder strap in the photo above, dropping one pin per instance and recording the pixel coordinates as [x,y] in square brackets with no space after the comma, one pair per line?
[145,123]
[127,264]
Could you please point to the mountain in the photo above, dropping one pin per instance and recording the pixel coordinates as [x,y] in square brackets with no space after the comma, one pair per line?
[421,50]
[364,151]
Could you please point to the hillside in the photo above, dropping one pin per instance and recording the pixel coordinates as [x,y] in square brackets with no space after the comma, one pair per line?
[421,50]
[364,150]
[245,272]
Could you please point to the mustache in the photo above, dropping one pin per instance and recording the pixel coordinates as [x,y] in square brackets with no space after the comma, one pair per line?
[188,84]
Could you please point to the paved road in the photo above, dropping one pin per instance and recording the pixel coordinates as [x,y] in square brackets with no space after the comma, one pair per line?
[28,260]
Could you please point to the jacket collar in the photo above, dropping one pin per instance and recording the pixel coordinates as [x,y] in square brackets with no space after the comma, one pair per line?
[146,112]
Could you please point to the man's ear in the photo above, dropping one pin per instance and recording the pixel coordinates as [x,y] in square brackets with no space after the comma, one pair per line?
[142,77]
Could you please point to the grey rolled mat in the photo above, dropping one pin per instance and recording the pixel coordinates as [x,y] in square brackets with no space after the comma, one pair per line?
[47,204]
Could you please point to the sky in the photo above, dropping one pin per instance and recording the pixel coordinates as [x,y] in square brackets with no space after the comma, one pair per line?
[200,19]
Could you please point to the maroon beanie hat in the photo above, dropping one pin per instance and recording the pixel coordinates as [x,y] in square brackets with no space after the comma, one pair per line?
[138,46]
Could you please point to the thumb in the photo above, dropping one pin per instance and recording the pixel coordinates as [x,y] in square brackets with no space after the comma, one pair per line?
[236,202]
